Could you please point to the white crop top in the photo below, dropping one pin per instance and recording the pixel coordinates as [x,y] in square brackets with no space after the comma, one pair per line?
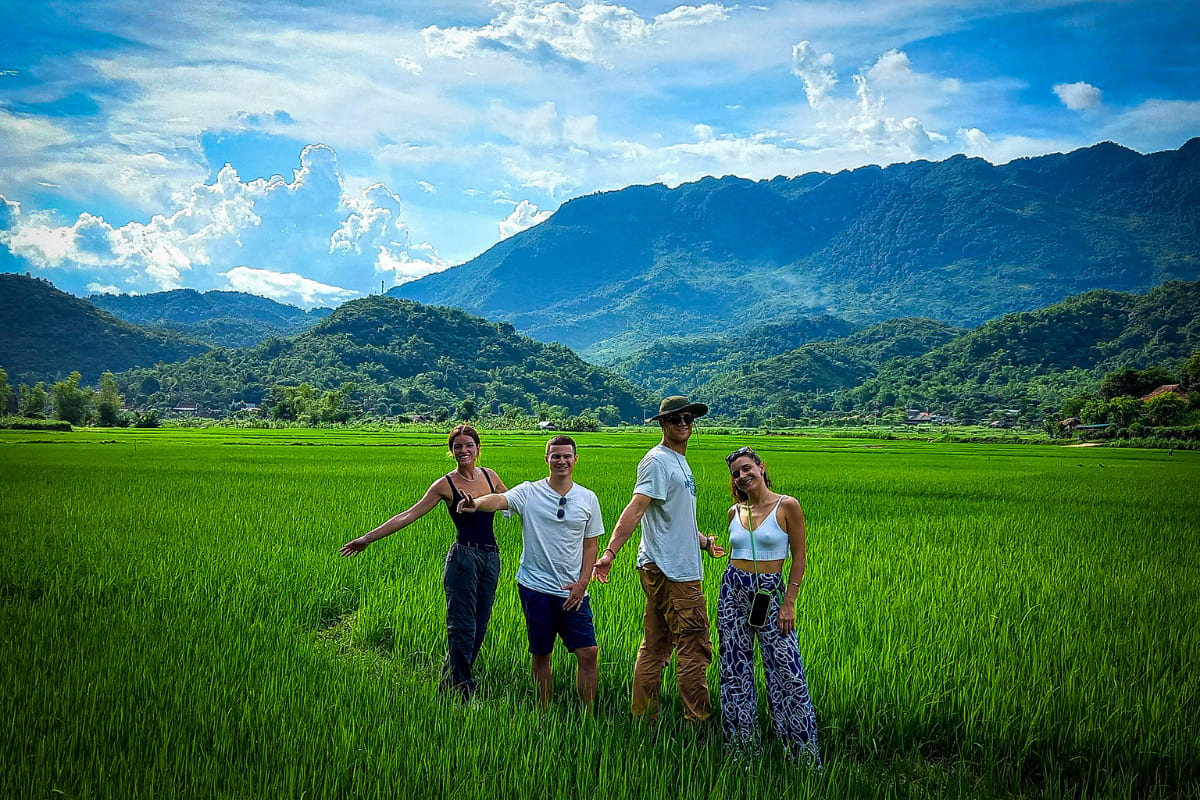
[770,540]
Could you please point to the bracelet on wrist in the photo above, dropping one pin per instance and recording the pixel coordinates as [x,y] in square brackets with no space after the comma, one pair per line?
[610,550]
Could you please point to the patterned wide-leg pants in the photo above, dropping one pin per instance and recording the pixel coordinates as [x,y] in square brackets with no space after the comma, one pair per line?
[791,707]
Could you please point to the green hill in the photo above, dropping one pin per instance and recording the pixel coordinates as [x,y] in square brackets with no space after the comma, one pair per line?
[403,358]
[1029,362]
[1032,361]
[46,334]
[808,378]
[681,366]
[222,319]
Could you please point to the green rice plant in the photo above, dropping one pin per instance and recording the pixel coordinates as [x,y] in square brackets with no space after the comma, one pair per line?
[976,620]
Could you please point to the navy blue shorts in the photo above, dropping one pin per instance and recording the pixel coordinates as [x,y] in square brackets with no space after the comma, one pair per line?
[546,618]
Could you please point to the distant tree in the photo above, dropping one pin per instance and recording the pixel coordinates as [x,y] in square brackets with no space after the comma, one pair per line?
[71,401]
[1166,409]
[107,409]
[1120,412]
[609,414]
[466,409]
[1134,383]
[1190,374]
[1074,405]
[290,403]
[6,392]
[331,407]
[148,419]
[33,401]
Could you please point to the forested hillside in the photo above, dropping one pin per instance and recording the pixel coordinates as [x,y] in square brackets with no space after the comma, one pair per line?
[402,358]
[682,366]
[1029,362]
[961,241]
[1032,360]
[46,334]
[807,379]
[222,319]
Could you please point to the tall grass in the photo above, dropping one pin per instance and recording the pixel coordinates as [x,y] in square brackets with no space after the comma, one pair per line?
[976,621]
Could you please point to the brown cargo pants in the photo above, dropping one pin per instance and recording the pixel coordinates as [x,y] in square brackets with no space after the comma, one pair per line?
[675,621]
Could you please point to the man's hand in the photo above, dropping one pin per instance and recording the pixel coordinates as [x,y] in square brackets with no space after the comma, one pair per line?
[577,590]
[710,545]
[467,505]
[354,547]
[602,567]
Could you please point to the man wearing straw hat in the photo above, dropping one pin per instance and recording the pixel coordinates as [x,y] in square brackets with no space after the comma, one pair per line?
[669,562]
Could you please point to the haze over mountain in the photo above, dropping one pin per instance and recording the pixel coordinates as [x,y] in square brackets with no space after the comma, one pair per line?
[960,241]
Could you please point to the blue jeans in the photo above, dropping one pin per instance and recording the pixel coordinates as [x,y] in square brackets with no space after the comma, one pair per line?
[470,581]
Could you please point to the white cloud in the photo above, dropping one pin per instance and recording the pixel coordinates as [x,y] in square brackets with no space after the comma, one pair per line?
[403,267]
[815,70]
[893,68]
[286,287]
[592,34]
[525,215]
[864,124]
[1079,96]
[269,228]
[1001,149]
[427,187]
[408,65]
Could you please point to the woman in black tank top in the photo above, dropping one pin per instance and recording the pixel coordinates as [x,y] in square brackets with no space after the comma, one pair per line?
[472,569]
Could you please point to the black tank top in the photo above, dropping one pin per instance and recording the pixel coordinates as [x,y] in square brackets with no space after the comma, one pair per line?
[474,528]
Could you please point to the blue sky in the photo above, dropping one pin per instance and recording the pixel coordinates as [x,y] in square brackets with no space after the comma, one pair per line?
[314,152]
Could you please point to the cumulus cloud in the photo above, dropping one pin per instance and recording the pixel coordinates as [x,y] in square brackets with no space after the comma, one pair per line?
[524,215]
[302,239]
[815,70]
[1079,96]
[287,287]
[591,34]
[864,123]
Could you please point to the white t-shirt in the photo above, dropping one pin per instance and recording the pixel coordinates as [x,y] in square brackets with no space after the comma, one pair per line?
[669,532]
[552,548]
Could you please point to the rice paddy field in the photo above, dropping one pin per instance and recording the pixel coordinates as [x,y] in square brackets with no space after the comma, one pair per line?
[976,621]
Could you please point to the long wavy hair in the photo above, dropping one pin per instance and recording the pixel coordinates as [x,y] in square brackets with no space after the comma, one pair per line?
[749,453]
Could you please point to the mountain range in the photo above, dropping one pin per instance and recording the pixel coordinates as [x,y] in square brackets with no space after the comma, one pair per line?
[957,285]
[406,358]
[961,241]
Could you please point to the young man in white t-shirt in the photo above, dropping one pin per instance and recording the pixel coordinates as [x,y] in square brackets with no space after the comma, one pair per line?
[675,620]
[560,523]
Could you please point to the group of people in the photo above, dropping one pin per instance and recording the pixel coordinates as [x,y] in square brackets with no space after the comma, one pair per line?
[561,526]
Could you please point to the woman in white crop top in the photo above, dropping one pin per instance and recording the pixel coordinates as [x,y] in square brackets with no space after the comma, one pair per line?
[765,529]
